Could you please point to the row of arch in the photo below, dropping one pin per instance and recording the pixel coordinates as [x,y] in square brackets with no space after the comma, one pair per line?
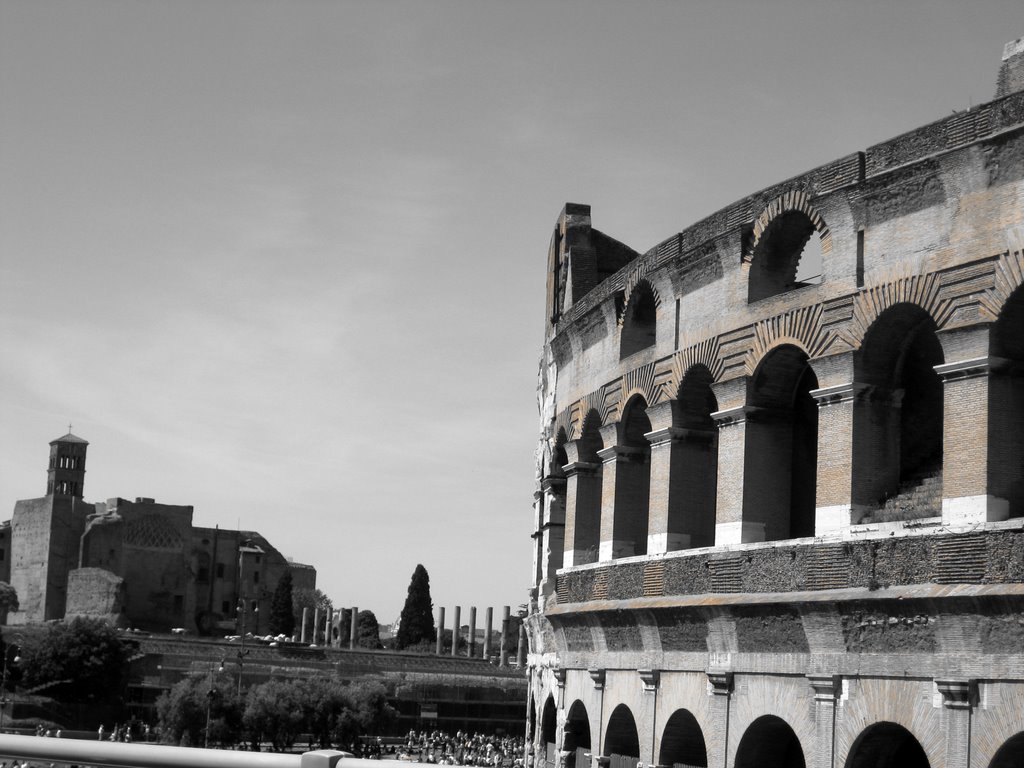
[896,446]
[768,742]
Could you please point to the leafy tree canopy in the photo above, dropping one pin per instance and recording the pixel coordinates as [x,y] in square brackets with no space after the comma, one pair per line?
[86,657]
[282,615]
[8,598]
[416,623]
[182,711]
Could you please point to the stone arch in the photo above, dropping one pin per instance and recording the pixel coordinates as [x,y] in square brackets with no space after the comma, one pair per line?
[549,732]
[780,458]
[583,493]
[576,740]
[682,742]
[1006,405]
[693,459]
[630,461]
[780,240]
[621,739]
[769,742]
[886,745]
[639,320]
[897,418]
[1011,754]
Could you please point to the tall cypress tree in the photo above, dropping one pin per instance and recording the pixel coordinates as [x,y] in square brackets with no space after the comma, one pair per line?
[416,623]
[282,617]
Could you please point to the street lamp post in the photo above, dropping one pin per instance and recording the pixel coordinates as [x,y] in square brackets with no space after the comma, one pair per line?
[4,701]
[211,694]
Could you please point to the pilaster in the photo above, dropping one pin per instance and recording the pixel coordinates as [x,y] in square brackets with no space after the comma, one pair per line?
[958,698]
[826,690]
[835,458]
[720,689]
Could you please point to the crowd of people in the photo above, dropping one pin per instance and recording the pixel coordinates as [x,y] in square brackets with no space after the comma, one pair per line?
[462,749]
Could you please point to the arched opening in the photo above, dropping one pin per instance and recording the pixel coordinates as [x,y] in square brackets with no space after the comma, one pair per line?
[552,523]
[622,742]
[693,484]
[1011,754]
[1006,406]
[548,731]
[769,742]
[886,745]
[781,460]
[576,737]
[631,482]
[640,323]
[583,494]
[788,256]
[897,418]
[682,743]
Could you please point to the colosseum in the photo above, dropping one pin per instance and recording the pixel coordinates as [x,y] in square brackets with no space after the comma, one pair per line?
[779,516]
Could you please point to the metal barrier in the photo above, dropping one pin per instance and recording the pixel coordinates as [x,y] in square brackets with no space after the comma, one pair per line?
[119,755]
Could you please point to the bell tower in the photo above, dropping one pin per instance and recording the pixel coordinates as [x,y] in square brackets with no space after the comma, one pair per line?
[66,475]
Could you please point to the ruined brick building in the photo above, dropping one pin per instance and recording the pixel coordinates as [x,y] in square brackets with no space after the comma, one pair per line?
[142,564]
[779,518]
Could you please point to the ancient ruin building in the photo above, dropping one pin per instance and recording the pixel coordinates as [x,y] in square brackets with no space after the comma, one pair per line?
[141,564]
[779,518]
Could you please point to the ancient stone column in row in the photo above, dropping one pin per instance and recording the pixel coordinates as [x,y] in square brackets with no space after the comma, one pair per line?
[730,527]
[826,690]
[328,620]
[440,632]
[505,621]
[488,621]
[316,624]
[353,632]
[833,500]
[982,439]
[582,507]
[456,618]
[472,632]
[958,697]
[720,685]
[625,494]
[302,629]
[650,679]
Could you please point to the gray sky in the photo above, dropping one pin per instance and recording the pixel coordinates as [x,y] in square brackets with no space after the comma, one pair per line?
[284,261]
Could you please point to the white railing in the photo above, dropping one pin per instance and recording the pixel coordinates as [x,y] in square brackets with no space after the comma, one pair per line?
[118,755]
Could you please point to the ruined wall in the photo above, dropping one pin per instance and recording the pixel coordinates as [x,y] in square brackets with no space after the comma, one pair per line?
[96,593]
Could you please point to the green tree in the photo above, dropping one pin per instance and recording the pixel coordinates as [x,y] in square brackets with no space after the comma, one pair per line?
[182,710]
[416,623]
[8,598]
[85,657]
[275,711]
[367,629]
[282,616]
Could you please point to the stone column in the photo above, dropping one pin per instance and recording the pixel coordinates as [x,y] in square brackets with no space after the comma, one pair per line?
[521,654]
[971,464]
[650,678]
[553,526]
[624,493]
[958,697]
[488,621]
[834,502]
[583,509]
[720,685]
[353,631]
[472,631]
[505,617]
[730,527]
[826,689]
[328,620]
[316,624]
[439,648]
[457,619]
[302,629]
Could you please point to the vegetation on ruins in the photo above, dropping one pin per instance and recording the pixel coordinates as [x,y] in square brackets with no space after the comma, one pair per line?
[8,598]
[282,615]
[276,712]
[82,659]
[416,623]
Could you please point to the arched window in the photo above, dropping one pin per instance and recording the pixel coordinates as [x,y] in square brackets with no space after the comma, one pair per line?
[630,480]
[583,494]
[1006,406]
[693,484]
[788,256]
[1011,754]
[548,733]
[640,321]
[769,742]
[622,742]
[897,421]
[682,743]
[576,737]
[781,457]
[887,745]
